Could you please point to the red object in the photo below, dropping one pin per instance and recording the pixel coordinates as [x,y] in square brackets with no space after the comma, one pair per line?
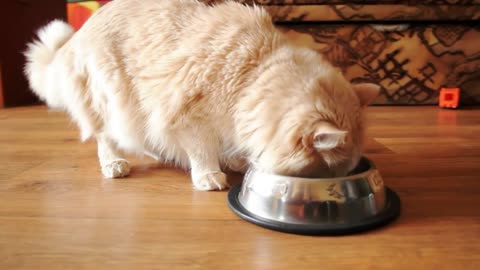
[449,98]
[77,15]
[78,12]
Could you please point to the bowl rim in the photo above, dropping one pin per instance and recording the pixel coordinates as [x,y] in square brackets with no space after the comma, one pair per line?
[363,174]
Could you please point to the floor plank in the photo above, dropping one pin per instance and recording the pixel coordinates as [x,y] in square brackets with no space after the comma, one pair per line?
[57,212]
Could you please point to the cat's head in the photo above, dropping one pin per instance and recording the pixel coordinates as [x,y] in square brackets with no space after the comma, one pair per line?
[313,132]
[325,141]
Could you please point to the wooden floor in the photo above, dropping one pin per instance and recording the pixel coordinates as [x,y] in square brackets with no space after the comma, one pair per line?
[56,211]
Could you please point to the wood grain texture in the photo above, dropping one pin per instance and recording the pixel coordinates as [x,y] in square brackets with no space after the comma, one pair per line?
[56,211]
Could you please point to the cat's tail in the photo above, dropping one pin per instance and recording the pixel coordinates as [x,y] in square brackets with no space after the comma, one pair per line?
[40,53]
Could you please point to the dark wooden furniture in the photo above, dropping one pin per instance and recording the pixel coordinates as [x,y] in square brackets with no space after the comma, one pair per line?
[19,19]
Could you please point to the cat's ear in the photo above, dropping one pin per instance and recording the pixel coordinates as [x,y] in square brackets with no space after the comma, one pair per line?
[326,136]
[366,92]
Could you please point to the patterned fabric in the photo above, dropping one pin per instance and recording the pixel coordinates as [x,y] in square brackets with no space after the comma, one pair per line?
[410,65]
[352,13]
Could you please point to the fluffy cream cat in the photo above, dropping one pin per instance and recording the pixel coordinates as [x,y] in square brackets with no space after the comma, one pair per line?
[206,87]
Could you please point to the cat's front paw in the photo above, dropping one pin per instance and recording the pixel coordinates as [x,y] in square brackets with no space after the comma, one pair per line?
[116,169]
[211,181]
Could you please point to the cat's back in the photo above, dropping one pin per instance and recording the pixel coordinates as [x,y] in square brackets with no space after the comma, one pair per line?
[160,46]
[137,29]
[148,20]
[121,22]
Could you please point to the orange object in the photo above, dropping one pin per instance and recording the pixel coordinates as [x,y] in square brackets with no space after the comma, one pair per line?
[449,98]
[77,15]
[78,12]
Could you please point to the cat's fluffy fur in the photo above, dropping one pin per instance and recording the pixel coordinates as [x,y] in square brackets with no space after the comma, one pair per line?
[207,87]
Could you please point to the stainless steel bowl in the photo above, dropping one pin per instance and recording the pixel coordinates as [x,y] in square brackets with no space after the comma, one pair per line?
[340,205]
